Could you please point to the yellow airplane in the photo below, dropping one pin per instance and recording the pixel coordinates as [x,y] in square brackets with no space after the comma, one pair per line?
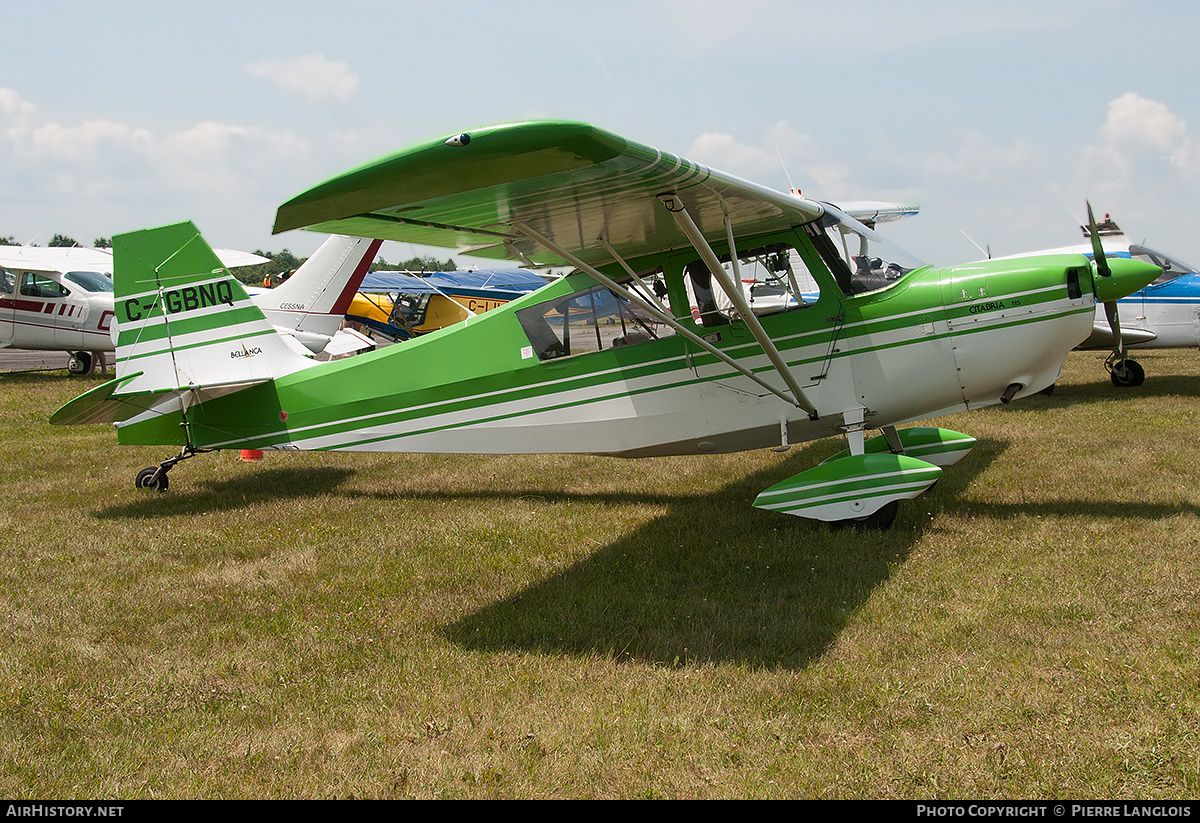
[400,305]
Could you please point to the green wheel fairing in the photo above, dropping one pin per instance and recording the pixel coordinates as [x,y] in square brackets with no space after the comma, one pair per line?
[850,487]
[938,446]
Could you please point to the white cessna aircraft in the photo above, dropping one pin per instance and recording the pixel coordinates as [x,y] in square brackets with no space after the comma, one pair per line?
[61,299]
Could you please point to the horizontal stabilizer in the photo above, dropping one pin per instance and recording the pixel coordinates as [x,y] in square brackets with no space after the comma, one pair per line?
[101,405]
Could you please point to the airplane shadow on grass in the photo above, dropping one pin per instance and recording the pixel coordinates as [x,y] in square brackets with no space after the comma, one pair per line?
[267,486]
[711,580]
[1101,389]
[714,581]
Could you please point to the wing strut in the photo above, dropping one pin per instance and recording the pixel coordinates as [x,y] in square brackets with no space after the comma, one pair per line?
[689,227]
[654,311]
[646,292]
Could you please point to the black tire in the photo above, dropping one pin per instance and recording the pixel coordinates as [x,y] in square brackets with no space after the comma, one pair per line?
[145,480]
[1128,375]
[878,520]
[80,362]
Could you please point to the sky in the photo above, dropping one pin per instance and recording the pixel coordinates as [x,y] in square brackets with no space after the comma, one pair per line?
[1001,120]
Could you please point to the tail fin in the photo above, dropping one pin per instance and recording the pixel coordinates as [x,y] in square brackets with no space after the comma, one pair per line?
[311,304]
[184,322]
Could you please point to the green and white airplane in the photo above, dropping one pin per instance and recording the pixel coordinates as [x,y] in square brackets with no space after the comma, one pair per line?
[610,359]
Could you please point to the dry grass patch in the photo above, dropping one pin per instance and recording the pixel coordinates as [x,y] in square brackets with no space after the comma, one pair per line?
[324,625]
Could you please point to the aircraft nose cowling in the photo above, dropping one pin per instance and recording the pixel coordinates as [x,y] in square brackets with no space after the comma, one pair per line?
[1127,276]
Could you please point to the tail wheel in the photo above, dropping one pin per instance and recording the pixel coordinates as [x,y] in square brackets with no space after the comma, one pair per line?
[146,479]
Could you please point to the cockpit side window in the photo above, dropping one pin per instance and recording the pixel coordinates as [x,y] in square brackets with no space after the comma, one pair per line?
[773,278]
[8,282]
[408,310]
[92,281]
[38,285]
[859,259]
[587,321]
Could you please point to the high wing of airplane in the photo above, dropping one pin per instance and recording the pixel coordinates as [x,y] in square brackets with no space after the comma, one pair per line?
[1165,314]
[601,361]
[61,299]
[403,305]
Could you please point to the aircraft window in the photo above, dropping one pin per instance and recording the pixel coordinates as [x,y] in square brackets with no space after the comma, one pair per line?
[860,260]
[37,285]
[92,281]
[408,310]
[773,279]
[587,321]
[1171,268]
[8,282]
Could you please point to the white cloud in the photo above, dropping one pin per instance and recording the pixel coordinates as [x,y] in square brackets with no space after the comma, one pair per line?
[94,177]
[313,75]
[1133,120]
[784,154]
[1141,140]
[977,159]
[218,157]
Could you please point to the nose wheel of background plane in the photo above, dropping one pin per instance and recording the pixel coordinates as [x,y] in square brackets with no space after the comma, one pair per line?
[1127,374]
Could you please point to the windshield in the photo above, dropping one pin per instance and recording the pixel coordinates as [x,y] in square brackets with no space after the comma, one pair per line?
[859,258]
[90,280]
[1171,268]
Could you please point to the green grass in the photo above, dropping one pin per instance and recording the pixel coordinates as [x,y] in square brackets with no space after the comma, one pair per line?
[375,626]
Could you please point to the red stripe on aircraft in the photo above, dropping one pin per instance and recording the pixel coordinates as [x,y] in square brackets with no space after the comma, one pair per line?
[347,295]
[20,305]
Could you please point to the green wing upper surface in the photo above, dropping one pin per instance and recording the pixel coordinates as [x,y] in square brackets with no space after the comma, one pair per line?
[571,182]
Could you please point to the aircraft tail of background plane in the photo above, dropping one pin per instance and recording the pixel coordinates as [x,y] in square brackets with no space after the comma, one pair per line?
[311,304]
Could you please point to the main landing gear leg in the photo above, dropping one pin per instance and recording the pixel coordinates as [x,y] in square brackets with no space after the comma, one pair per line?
[155,477]
[855,430]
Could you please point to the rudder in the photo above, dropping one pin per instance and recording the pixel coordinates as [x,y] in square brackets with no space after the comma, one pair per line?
[184,322]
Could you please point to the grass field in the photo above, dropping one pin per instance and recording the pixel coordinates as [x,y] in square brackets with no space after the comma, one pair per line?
[320,625]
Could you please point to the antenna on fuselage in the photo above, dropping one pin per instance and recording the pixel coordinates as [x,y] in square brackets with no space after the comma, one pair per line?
[987,251]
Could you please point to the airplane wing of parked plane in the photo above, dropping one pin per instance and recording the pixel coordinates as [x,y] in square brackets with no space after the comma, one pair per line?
[571,184]
[74,258]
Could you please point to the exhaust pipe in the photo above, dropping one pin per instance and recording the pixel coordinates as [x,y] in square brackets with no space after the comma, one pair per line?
[1010,392]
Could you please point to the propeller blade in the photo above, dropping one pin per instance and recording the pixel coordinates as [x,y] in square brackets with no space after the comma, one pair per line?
[1114,323]
[1097,246]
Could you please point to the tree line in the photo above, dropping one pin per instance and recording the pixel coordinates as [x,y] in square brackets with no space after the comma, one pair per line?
[277,262]
[284,261]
